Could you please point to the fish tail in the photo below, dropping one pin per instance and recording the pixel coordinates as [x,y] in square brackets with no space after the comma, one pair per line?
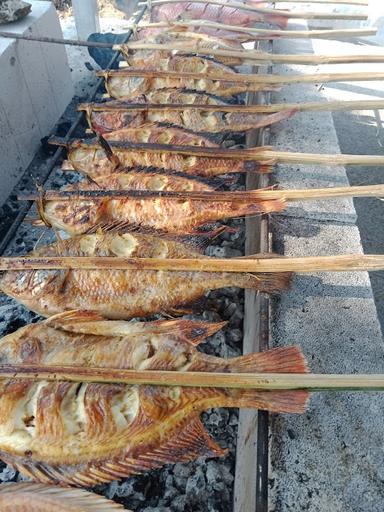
[248,121]
[277,360]
[256,207]
[290,401]
[264,282]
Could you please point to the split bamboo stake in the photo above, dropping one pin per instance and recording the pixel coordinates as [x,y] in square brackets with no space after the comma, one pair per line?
[255,195]
[266,80]
[247,31]
[308,264]
[315,106]
[268,11]
[254,56]
[259,154]
[260,381]
[258,33]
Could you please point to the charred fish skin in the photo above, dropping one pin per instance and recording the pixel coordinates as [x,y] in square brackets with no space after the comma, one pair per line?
[122,294]
[95,162]
[122,86]
[128,429]
[198,121]
[164,214]
[87,340]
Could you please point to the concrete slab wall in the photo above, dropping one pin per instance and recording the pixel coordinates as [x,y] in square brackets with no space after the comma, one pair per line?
[35,89]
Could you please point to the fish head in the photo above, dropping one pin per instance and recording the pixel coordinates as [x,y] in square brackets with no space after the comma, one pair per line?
[89,160]
[122,86]
[74,216]
[34,288]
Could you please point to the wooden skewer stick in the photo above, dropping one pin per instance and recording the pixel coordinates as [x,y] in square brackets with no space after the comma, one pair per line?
[266,80]
[259,154]
[256,195]
[309,264]
[264,10]
[315,106]
[250,55]
[196,47]
[247,31]
[260,381]
[339,2]
[259,32]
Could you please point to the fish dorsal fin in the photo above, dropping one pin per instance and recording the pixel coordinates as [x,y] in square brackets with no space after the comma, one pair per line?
[87,322]
[38,497]
[189,442]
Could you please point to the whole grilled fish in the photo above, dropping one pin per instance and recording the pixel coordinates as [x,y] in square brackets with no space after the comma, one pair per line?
[123,293]
[83,434]
[30,497]
[142,58]
[165,214]
[220,13]
[95,160]
[123,86]
[196,120]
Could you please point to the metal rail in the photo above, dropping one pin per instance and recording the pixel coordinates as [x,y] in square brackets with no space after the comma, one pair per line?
[55,158]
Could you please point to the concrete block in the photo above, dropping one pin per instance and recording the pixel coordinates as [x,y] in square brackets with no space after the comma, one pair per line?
[35,89]
[308,132]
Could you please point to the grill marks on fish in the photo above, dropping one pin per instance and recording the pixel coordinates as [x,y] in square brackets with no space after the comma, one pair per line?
[128,429]
[123,294]
[166,214]
[96,162]
[30,497]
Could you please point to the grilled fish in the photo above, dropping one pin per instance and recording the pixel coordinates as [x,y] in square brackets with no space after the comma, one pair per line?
[142,58]
[122,293]
[95,160]
[164,214]
[29,497]
[196,120]
[83,434]
[123,86]
[220,13]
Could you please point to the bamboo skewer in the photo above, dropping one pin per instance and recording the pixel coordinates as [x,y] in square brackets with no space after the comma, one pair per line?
[309,264]
[259,32]
[315,106]
[259,154]
[256,32]
[250,55]
[265,10]
[266,80]
[198,47]
[256,195]
[339,2]
[260,381]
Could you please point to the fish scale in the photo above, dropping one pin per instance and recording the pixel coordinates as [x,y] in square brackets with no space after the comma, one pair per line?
[123,293]
[128,429]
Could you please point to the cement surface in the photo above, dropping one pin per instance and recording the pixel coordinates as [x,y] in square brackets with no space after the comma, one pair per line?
[330,458]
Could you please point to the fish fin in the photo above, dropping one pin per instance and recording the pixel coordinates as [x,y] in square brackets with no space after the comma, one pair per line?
[276,360]
[292,401]
[86,322]
[189,442]
[68,319]
[17,495]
